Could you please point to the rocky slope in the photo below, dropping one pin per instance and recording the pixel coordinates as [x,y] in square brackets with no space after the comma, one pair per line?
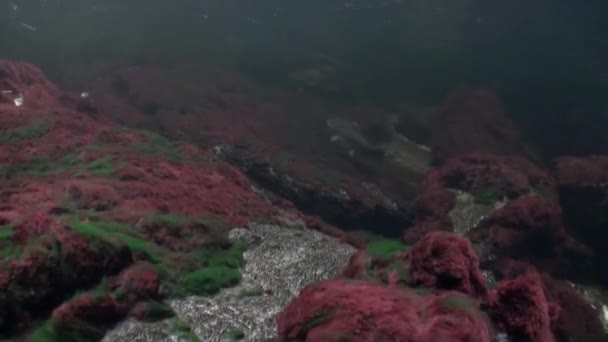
[116,233]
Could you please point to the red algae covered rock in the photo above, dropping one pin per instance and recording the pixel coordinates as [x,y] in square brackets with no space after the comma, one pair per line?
[473,121]
[489,178]
[520,307]
[340,310]
[531,229]
[577,319]
[92,195]
[582,171]
[583,192]
[511,177]
[36,224]
[20,79]
[85,314]
[214,189]
[357,265]
[138,282]
[446,261]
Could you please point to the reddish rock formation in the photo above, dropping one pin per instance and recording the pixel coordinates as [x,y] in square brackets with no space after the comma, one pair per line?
[92,196]
[583,190]
[486,176]
[577,320]
[589,171]
[36,224]
[357,265]
[473,121]
[531,228]
[338,310]
[26,80]
[87,314]
[136,283]
[446,261]
[520,308]
[60,167]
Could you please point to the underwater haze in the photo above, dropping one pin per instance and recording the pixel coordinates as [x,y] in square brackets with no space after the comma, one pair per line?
[545,60]
[315,171]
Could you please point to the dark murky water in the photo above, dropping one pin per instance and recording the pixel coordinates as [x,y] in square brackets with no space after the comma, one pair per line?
[545,60]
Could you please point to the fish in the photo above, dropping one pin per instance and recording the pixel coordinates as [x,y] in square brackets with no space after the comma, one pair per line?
[348,134]
[29,27]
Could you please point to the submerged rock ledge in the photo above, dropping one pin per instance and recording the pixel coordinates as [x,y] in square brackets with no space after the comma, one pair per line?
[279,262]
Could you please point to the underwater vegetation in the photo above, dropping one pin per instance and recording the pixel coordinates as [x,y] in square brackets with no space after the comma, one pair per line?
[99,223]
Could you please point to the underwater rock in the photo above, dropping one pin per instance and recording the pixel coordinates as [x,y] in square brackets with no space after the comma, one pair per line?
[346,209]
[138,282]
[583,194]
[34,225]
[357,265]
[577,319]
[531,229]
[21,79]
[488,178]
[348,310]
[446,261]
[85,314]
[51,265]
[92,195]
[473,120]
[521,309]
[279,262]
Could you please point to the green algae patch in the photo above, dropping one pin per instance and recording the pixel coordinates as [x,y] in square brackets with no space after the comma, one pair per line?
[166,220]
[382,261]
[487,195]
[6,232]
[119,233]
[46,332]
[158,145]
[210,280]
[384,250]
[30,131]
[235,334]
[183,329]
[41,167]
[102,167]
[202,271]
[458,303]
[155,311]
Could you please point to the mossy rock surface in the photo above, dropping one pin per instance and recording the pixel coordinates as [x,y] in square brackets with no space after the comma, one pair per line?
[385,250]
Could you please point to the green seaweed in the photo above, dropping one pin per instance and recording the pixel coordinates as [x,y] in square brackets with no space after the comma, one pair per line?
[401,271]
[110,231]
[155,311]
[384,250]
[209,280]
[73,331]
[182,328]
[170,221]
[457,303]
[47,333]
[6,232]
[41,167]
[102,167]
[487,195]
[235,334]
[159,145]
[214,223]
[33,130]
